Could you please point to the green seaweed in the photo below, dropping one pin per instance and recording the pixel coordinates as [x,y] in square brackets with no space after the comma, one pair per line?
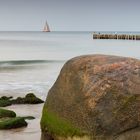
[6,113]
[4,103]
[30,98]
[11,123]
[57,126]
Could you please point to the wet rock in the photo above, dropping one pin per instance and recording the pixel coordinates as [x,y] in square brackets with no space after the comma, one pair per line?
[8,119]
[29,118]
[28,99]
[6,98]
[6,113]
[5,102]
[12,123]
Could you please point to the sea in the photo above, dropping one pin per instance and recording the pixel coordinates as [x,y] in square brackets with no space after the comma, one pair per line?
[31,61]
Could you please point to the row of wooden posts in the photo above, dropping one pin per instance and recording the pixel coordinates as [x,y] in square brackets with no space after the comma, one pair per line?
[116,36]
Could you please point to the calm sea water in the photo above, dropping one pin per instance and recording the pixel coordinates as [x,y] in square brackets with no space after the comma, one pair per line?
[22,55]
[31,61]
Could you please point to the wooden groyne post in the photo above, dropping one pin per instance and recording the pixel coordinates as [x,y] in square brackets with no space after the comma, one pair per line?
[116,36]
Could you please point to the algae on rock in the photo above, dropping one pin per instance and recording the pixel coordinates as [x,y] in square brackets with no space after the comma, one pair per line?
[98,95]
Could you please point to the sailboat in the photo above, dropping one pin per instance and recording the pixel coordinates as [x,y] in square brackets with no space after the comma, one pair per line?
[46,28]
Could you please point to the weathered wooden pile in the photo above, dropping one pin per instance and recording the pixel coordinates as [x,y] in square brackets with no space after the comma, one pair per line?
[116,36]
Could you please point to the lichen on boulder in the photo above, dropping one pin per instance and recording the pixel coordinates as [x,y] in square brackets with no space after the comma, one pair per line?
[98,95]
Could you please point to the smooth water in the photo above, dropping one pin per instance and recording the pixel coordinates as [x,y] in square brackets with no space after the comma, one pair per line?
[31,61]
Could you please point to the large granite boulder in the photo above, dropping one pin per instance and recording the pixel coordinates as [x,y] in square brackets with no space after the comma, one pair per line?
[95,96]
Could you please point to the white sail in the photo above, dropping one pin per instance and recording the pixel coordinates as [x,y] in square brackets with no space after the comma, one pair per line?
[46,28]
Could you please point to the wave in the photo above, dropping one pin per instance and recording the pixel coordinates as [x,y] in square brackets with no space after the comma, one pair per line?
[16,88]
[26,62]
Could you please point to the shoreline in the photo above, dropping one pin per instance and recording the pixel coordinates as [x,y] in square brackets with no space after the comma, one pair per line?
[32,131]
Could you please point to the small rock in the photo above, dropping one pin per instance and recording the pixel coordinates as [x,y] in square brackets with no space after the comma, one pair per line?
[4,103]
[6,113]
[12,123]
[29,118]
[28,99]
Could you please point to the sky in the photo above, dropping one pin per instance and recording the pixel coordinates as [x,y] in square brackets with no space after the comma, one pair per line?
[70,15]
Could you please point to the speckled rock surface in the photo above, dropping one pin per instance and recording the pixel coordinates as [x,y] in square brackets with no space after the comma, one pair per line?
[98,94]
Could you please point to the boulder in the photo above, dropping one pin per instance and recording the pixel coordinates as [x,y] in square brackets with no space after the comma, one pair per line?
[97,96]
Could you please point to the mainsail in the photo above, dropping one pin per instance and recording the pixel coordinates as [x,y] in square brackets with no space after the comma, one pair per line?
[46,28]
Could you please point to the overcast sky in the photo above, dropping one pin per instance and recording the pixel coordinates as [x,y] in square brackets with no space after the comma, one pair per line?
[70,15]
